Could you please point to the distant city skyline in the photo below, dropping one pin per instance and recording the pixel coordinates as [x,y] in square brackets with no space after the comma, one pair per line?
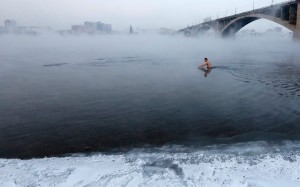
[174,14]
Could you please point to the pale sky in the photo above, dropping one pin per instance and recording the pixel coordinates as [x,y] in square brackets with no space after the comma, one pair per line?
[148,14]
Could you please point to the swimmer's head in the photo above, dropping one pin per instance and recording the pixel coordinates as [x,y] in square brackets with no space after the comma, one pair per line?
[205,59]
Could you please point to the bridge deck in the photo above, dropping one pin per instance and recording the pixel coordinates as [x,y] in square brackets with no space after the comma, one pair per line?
[231,17]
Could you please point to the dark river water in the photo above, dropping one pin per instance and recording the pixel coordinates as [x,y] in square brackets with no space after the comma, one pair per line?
[100,94]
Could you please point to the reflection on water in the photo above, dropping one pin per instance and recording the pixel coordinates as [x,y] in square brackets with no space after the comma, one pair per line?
[84,96]
[206,71]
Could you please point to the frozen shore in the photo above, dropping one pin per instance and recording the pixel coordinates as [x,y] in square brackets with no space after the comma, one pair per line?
[250,166]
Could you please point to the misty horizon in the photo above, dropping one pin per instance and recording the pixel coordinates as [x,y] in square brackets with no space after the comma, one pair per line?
[140,14]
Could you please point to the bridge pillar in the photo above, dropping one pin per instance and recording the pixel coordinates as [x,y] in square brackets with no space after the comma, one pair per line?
[285,13]
[297,32]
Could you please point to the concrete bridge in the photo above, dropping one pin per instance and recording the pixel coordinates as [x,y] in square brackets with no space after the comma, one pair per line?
[286,14]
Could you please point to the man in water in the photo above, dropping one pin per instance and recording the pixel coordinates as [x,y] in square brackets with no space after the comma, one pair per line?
[206,63]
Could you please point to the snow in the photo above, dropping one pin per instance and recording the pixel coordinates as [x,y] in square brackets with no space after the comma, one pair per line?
[242,167]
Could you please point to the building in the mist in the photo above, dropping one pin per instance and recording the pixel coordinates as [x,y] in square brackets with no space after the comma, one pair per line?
[78,29]
[91,28]
[247,33]
[278,31]
[274,31]
[104,27]
[130,30]
[11,25]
